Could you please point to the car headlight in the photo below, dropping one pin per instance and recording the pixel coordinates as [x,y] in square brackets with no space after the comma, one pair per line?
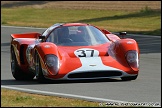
[52,63]
[133,60]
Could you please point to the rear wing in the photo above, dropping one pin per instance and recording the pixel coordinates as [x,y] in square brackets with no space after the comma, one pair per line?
[26,35]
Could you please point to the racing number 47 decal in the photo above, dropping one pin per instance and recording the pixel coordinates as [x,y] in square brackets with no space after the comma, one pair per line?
[86,52]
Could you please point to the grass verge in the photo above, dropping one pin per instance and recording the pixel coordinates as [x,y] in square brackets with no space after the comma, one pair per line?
[142,21]
[12,98]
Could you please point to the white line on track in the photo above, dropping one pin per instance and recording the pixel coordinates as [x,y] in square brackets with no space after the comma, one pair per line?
[63,94]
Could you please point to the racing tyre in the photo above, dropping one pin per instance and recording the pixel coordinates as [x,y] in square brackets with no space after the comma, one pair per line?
[129,78]
[38,70]
[16,71]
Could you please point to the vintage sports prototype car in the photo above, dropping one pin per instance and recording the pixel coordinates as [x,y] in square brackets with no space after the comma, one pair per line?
[73,51]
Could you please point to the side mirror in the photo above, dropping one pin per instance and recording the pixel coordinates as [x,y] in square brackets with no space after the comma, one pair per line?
[122,34]
[42,38]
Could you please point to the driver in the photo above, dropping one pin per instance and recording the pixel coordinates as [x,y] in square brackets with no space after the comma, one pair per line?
[64,35]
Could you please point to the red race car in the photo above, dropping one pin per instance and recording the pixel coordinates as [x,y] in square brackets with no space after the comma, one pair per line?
[73,51]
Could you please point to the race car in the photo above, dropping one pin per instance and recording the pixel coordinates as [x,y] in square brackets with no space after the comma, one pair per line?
[73,51]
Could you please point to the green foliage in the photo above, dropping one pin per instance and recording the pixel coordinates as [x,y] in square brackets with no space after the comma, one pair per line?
[146,9]
[4,22]
[22,98]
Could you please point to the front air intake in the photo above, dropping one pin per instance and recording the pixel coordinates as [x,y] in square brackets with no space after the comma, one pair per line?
[95,74]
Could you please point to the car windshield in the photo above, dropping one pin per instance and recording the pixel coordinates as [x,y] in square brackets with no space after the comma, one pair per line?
[77,36]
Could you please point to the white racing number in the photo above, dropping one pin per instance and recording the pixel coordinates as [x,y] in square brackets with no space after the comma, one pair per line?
[86,52]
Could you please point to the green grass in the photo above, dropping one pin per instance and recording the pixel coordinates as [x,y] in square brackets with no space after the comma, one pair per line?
[144,21]
[12,98]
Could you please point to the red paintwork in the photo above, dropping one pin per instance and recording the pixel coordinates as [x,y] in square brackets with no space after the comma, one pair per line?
[115,57]
[75,24]
[112,37]
[26,35]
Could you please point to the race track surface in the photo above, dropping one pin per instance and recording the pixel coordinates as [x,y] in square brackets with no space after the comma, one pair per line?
[146,88]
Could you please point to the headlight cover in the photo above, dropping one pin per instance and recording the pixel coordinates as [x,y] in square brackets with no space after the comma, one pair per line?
[132,59]
[52,63]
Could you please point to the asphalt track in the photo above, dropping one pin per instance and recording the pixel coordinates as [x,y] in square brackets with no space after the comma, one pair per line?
[146,88]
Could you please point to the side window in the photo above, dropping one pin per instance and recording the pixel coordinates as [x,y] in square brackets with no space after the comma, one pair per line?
[50,37]
[53,37]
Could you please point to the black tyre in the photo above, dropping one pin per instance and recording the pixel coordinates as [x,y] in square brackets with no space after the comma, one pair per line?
[17,73]
[38,70]
[129,78]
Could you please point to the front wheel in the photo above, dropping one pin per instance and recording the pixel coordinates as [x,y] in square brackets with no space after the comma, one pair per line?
[38,70]
[129,78]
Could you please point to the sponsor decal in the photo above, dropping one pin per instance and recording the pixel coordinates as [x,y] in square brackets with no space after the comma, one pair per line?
[129,42]
[47,46]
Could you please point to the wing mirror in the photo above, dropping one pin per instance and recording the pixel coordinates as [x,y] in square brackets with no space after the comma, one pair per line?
[42,38]
[122,34]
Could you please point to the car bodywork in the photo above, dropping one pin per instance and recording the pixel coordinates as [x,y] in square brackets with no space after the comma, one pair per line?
[101,55]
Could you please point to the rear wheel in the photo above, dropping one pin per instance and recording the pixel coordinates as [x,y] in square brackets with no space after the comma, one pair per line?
[129,78]
[38,70]
[17,73]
